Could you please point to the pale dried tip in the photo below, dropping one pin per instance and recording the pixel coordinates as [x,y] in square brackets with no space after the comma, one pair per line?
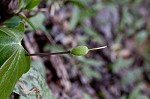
[52,12]
[98,48]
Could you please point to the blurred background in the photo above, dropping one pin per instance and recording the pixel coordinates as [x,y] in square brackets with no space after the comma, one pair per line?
[120,71]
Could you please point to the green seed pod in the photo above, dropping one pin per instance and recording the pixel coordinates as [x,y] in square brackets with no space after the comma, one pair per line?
[79,51]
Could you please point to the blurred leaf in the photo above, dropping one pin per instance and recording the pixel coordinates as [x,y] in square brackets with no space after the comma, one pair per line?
[37,21]
[78,3]
[121,63]
[142,97]
[137,2]
[13,61]
[119,2]
[123,1]
[46,32]
[74,18]
[138,23]
[83,39]
[39,65]
[93,34]
[20,4]
[123,97]
[86,96]
[27,20]
[130,32]
[12,22]
[90,73]
[98,6]
[135,92]
[31,4]
[87,13]
[131,76]
[101,95]
[53,48]
[141,37]
[147,69]
[127,17]
[90,61]
[33,79]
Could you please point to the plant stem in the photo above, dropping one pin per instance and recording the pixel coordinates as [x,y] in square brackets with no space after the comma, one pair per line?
[46,54]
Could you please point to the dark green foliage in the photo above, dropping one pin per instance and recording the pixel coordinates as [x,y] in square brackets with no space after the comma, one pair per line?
[31,4]
[13,61]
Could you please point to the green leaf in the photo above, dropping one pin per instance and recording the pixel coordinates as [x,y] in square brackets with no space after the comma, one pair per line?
[142,97]
[37,21]
[13,21]
[31,4]
[39,65]
[74,18]
[86,96]
[13,62]
[78,3]
[121,63]
[90,73]
[136,91]
[141,37]
[20,4]
[33,79]
[131,76]
[87,61]
[93,33]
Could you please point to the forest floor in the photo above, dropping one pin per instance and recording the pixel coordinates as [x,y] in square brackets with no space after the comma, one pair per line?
[121,71]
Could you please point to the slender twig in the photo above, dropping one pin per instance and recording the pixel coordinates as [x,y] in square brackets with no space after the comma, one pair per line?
[58,53]
[46,54]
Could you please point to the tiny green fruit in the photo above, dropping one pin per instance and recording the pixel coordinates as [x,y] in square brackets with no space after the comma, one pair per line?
[79,51]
